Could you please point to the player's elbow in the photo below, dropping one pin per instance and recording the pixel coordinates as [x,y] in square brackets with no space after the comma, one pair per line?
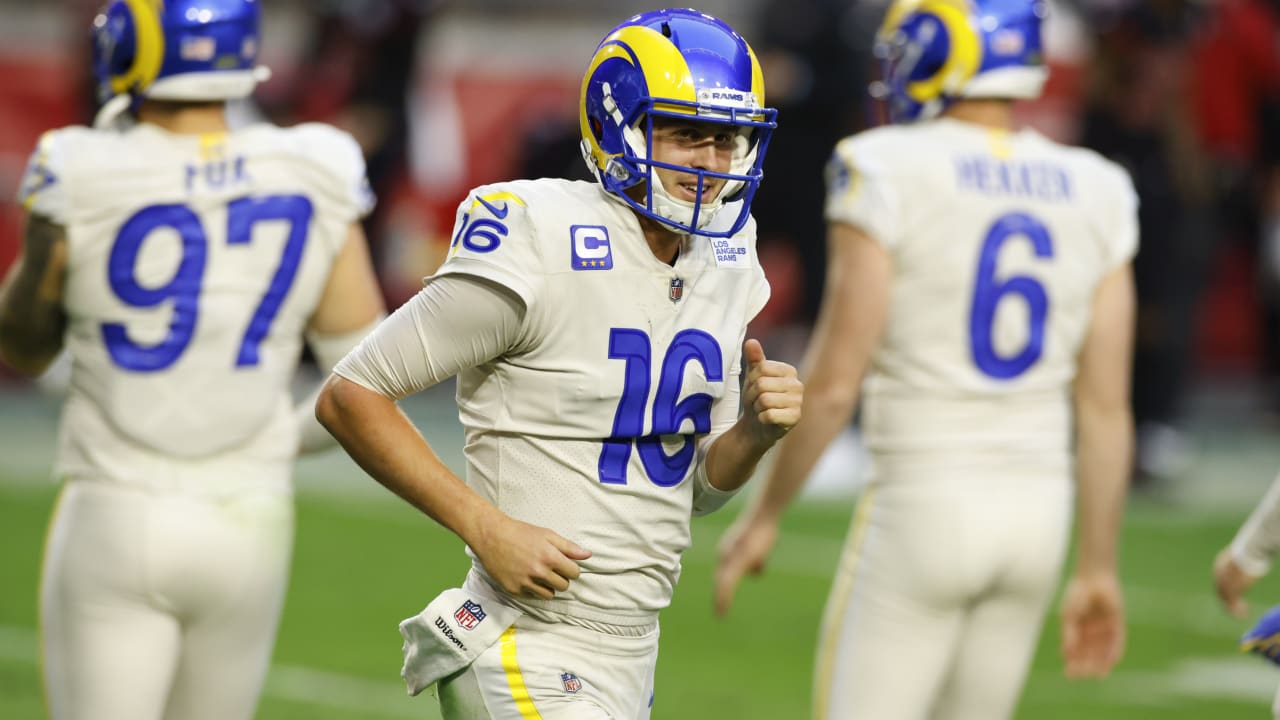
[334,404]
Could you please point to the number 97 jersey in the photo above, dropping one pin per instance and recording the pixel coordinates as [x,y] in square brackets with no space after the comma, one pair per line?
[998,241]
[193,265]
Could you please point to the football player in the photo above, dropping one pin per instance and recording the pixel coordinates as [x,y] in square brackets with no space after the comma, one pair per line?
[595,330]
[182,265]
[979,299]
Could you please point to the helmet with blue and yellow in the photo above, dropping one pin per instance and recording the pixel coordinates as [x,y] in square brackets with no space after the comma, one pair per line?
[933,53]
[680,64]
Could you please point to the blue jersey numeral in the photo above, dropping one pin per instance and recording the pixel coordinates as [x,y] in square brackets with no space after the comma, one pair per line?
[989,291]
[184,288]
[669,412]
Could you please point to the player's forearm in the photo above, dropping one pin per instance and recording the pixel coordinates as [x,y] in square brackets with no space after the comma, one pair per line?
[383,441]
[1258,540]
[1104,454]
[733,457]
[29,348]
[32,322]
[825,413]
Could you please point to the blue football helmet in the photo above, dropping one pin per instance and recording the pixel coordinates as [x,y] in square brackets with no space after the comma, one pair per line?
[1264,637]
[680,64]
[934,52]
[193,50]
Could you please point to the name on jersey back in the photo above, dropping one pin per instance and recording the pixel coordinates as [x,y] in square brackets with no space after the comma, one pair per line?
[991,176]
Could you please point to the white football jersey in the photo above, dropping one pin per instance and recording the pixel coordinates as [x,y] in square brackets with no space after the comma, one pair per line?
[588,425]
[998,242]
[194,263]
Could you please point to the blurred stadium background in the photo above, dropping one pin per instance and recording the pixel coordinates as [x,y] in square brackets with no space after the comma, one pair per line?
[446,95]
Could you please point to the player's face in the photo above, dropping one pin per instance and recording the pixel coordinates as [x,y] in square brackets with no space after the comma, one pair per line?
[699,145]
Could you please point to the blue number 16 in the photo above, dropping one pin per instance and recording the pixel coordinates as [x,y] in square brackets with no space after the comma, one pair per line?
[184,287]
[989,290]
[668,415]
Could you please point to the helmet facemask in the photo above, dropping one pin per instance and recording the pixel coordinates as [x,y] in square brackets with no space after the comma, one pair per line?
[634,168]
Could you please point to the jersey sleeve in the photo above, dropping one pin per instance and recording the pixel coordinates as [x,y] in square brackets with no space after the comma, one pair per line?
[456,323]
[44,191]
[860,193]
[340,154]
[1120,219]
[1258,540]
[495,238]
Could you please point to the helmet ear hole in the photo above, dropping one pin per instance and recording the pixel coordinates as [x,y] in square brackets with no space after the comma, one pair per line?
[597,129]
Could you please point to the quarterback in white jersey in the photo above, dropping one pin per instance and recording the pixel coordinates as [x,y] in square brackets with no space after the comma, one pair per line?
[595,330]
[979,297]
[180,265]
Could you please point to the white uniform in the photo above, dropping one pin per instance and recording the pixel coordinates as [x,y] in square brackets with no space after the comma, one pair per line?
[194,263]
[998,242]
[586,418]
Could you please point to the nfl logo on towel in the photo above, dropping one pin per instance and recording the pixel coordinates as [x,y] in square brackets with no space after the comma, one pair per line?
[571,682]
[677,289]
[469,615]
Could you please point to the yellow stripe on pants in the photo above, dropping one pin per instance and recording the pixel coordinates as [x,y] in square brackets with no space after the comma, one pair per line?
[515,678]
[837,606]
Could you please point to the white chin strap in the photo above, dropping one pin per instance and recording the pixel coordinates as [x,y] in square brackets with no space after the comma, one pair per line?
[681,211]
[200,86]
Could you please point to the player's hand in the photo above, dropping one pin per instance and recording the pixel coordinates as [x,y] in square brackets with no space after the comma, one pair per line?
[1231,581]
[744,547]
[771,395]
[1264,637]
[526,559]
[1093,632]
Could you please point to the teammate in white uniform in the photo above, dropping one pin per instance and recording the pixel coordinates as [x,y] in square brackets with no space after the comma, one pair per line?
[979,295]
[181,265]
[595,329]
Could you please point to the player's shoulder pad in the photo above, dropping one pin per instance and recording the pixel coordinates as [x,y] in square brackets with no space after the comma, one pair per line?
[43,188]
[870,153]
[1110,178]
[526,204]
[332,148]
[498,215]
[336,153]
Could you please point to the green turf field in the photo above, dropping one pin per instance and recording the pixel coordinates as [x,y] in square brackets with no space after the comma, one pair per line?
[364,561]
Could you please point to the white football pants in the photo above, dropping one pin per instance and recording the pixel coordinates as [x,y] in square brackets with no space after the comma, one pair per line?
[937,606]
[555,671]
[161,605]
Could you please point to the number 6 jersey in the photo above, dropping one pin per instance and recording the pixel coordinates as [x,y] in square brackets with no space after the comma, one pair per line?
[998,241]
[194,263]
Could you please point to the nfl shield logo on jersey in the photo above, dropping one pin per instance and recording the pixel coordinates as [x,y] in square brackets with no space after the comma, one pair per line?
[469,615]
[676,290]
[571,682]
